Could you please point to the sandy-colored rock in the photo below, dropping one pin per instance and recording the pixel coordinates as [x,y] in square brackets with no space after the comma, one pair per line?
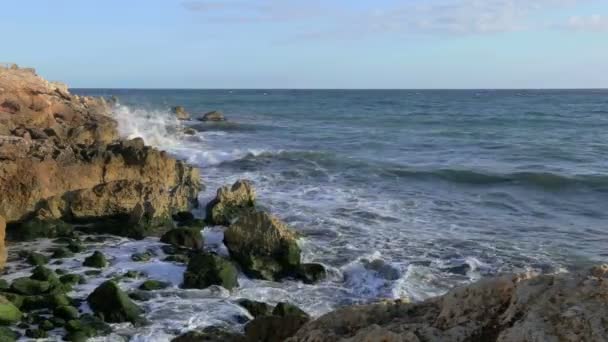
[180,113]
[213,116]
[230,202]
[562,307]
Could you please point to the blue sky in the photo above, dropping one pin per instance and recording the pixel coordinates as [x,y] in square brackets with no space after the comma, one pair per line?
[310,43]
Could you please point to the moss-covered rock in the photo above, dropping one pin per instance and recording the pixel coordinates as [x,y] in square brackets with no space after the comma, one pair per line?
[72,279]
[151,285]
[140,295]
[61,253]
[110,303]
[96,260]
[206,269]
[177,258]
[4,285]
[36,333]
[9,313]
[75,246]
[184,237]
[286,309]
[66,312]
[311,273]
[28,287]
[14,298]
[46,325]
[255,308]
[8,335]
[230,202]
[37,259]
[38,228]
[142,256]
[264,246]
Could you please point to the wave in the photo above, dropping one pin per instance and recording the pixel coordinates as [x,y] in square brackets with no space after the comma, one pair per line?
[335,163]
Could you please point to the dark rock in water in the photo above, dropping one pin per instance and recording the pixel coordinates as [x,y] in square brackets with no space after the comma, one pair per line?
[460,269]
[96,260]
[273,328]
[4,285]
[177,258]
[311,273]
[180,113]
[189,131]
[286,309]
[383,269]
[85,327]
[46,325]
[230,202]
[142,256]
[9,313]
[28,287]
[141,295]
[37,259]
[8,335]
[61,253]
[36,333]
[39,228]
[206,269]
[75,246]
[255,308]
[264,246]
[183,216]
[151,285]
[134,274]
[66,312]
[92,272]
[113,305]
[57,322]
[184,237]
[210,334]
[135,226]
[213,116]
[72,279]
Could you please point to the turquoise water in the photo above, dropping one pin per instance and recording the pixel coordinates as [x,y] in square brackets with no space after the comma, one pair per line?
[404,193]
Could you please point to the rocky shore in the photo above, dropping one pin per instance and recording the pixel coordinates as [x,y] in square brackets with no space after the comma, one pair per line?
[68,178]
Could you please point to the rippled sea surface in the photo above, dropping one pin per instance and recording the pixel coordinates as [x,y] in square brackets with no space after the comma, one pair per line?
[401,193]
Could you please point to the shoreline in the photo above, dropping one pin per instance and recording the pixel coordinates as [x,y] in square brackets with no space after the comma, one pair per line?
[113,186]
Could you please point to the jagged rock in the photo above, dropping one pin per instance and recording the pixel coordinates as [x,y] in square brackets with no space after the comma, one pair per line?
[273,328]
[255,308]
[210,334]
[263,246]
[9,313]
[213,116]
[184,237]
[113,305]
[206,269]
[180,113]
[97,260]
[513,308]
[230,202]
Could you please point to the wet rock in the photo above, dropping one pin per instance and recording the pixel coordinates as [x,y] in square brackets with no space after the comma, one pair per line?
[85,327]
[66,312]
[113,305]
[460,269]
[255,308]
[206,269]
[28,287]
[213,116]
[311,273]
[8,335]
[134,274]
[189,131]
[230,202]
[210,334]
[9,313]
[61,253]
[92,272]
[36,333]
[151,285]
[142,296]
[142,256]
[184,237]
[177,258]
[4,285]
[3,252]
[96,260]
[46,325]
[183,217]
[263,246]
[382,268]
[273,328]
[14,298]
[72,279]
[180,113]
[39,228]
[75,246]
[286,309]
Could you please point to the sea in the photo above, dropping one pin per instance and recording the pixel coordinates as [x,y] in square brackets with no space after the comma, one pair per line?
[399,193]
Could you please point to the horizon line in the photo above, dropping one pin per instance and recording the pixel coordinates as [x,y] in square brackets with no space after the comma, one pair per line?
[356,89]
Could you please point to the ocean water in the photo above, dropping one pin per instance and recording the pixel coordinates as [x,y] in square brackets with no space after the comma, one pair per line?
[399,193]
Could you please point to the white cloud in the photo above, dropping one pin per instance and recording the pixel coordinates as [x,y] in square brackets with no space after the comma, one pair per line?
[595,22]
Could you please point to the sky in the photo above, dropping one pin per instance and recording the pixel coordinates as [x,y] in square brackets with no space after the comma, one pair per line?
[310,44]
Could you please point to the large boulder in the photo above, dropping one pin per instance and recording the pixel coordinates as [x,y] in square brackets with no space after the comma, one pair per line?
[230,202]
[180,113]
[184,237]
[205,269]
[264,246]
[113,305]
[511,308]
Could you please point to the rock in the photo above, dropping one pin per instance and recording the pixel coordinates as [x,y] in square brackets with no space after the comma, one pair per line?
[210,334]
[28,287]
[46,325]
[263,246]
[230,202]
[177,258]
[255,308]
[3,253]
[36,333]
[97,260]
[184,237]
[189,131]
[92,272]
[142,256]
[113,305]
[184,217]
[14,298]
[37,259]
[511,308]
[142,296]
[61,253]
[206,269]
[311,273]
[66,312]
[38,228]
[75,247]
[4,285]
[180,113]
[213,116]
[151,285]
[286,309]
[85,327]
[8,335]
[273,328]
[9,313]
